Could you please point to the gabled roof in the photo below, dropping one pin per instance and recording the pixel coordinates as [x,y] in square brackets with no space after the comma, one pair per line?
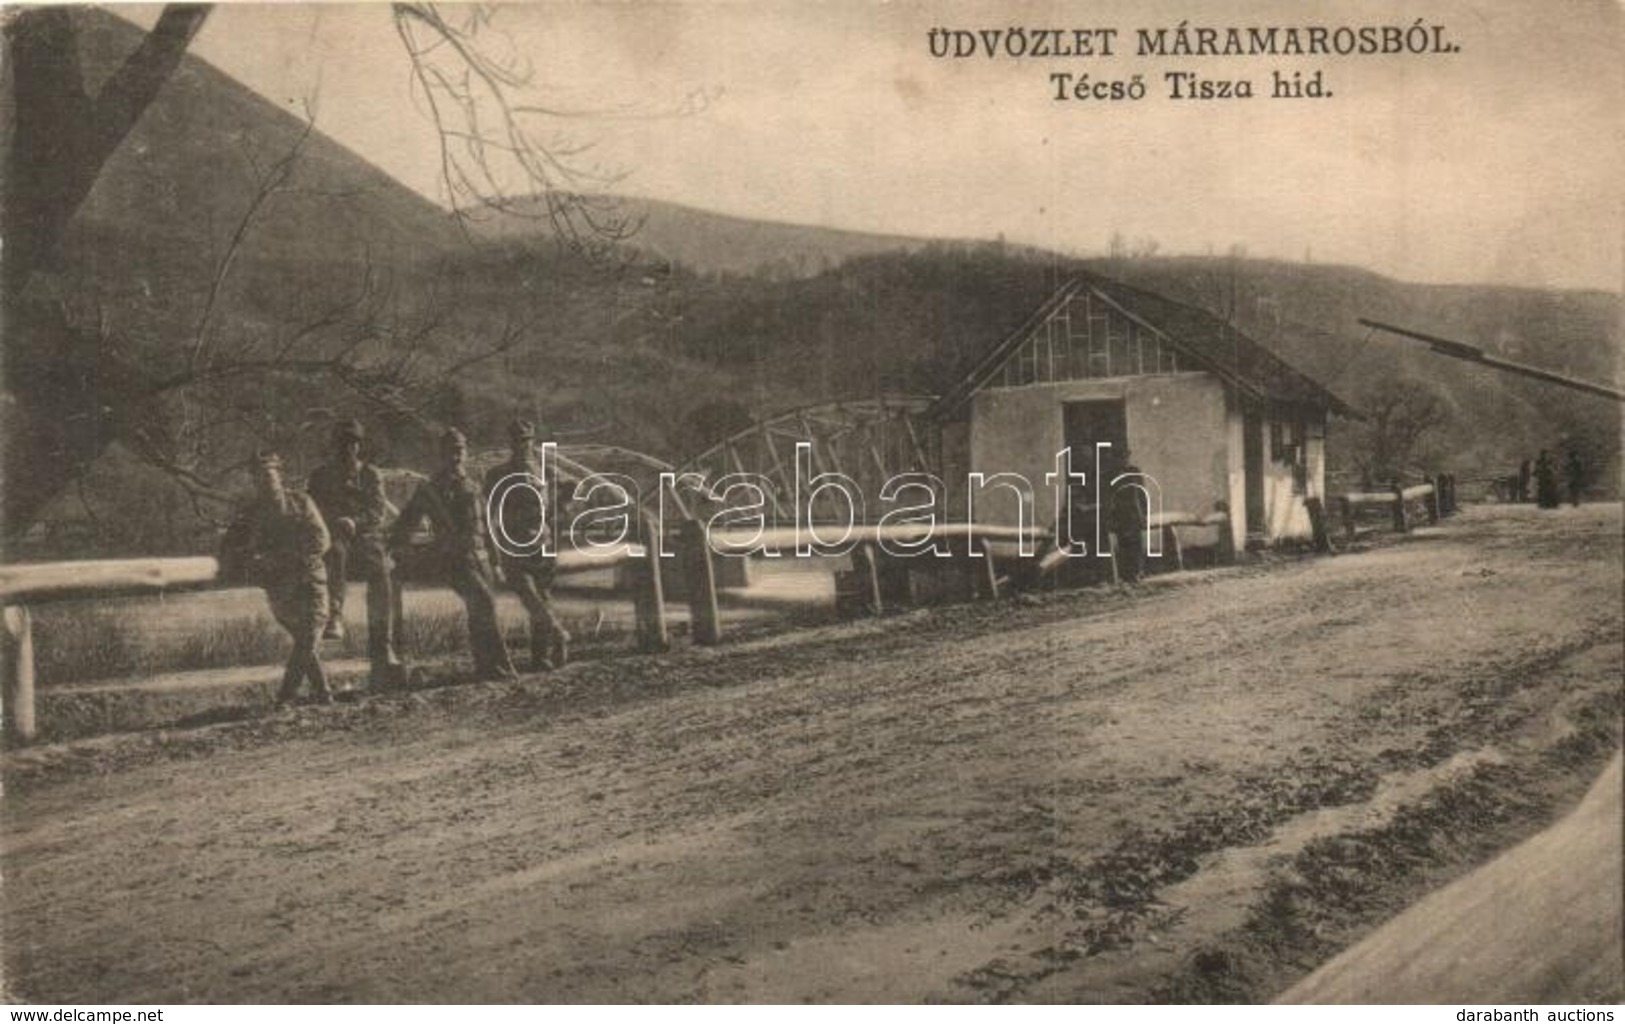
[1196,334]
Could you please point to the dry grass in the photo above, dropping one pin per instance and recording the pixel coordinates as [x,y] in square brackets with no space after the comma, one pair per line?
[83,642]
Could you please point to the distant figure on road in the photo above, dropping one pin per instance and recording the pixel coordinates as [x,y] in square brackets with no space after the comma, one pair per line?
[1575,471]
[350,494]
[526,510]
[454,507]
[1127,519]
[1525,470]
[279,543]
[1546,481]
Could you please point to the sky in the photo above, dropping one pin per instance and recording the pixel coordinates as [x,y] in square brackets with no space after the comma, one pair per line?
[1501,162]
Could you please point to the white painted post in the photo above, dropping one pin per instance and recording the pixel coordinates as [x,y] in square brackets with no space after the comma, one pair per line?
[18,683]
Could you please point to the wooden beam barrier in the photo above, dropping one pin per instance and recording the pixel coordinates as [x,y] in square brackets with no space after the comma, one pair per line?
[1431,501]
[32,583]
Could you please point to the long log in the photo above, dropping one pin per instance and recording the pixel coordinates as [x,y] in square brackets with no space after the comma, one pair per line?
[786,537]
[42,582]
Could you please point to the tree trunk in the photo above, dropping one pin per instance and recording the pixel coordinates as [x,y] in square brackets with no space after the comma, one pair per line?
[67,396]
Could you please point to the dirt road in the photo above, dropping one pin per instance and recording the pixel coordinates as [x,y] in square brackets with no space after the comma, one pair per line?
[1199,790]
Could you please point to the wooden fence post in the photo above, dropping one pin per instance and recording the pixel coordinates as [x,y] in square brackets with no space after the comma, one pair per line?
[653,637]
[699,573]
[1401,523]
[1317,525]
[866,563]
[990,570]
[1346,509]
[18,681]
[1433,501]
[1170,539]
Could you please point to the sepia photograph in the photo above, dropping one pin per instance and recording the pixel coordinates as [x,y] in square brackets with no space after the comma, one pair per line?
[706,502]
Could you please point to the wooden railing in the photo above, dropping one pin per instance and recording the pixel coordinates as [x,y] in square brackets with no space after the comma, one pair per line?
[978,550]
[1437,495]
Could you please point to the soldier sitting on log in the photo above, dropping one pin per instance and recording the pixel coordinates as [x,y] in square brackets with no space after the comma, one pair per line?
[454,508]
[350,494]
[526,511]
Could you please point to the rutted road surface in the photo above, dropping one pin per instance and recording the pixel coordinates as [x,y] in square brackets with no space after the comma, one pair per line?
[1084,796]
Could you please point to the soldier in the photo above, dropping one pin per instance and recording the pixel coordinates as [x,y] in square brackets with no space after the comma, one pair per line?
[454,508]
[350,494]
[1574,471]
[1546,481]
[280,541]
[1126,514]
[526,514]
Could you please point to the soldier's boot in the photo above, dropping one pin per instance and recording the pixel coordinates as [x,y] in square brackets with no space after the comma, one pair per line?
[320,692]
[291,678]
[540,655]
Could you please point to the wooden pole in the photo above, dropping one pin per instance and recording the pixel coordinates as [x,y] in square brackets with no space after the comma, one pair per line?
[1433,508]
[18,683]
[700,574]
[653,636]
[1171,541]
[866,562]
[1317,525]
[1401,523]
[1227,542]
[990,570]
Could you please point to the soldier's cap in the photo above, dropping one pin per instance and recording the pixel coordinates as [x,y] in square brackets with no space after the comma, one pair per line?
[453,436]
[265,458]
[349,430]
[522,430]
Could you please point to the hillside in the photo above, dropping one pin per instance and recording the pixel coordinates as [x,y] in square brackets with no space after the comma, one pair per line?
[672,234]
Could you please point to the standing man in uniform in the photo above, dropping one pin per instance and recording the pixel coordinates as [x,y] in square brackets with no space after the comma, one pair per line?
[279,544]
[1574,471]
[1546,481]
[350,494]
[525,503]
[1126,512]
[454,507]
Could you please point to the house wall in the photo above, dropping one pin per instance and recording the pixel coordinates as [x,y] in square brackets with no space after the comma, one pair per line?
[1286,512]
[1178,432]
[1235,425]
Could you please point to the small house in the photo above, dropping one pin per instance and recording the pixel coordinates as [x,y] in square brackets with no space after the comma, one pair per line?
[1214,417]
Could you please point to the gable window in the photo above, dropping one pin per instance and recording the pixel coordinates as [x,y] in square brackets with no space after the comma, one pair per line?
[1087,339]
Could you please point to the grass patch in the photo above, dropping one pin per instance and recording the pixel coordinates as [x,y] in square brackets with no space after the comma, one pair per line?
[81,643]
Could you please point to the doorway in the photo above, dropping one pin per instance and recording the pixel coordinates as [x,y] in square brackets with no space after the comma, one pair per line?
[1084,425]
[1252,467]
